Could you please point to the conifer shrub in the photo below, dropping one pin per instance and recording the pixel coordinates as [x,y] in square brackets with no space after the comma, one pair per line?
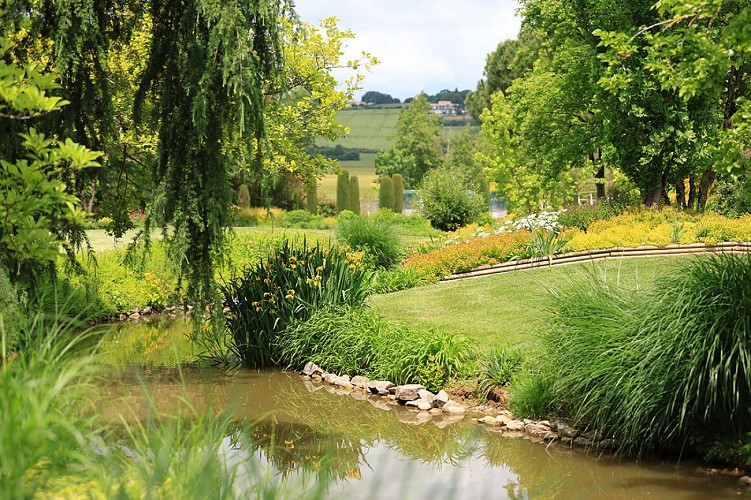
[243,196]
[386,193]
[311,196]
[342,191]
[398,182]
[354,194]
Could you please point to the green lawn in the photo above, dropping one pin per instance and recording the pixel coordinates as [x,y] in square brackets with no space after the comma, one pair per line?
[506,308]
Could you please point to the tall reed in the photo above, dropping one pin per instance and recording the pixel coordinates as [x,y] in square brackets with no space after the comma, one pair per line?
[664,368]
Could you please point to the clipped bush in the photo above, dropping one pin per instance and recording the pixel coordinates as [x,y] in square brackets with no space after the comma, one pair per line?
[291,282]
[376,239]
[311,196]
[354,194]
[297,217]
[447,203]
[398,181]
[386,193]
[664,368]
[342,191]
[243,196]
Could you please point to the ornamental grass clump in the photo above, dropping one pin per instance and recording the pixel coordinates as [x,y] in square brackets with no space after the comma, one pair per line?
[374,237]
[664,368]
[356,341]
[291,282]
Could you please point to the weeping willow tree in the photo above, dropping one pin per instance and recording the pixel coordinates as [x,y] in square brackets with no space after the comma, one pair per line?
[204,76]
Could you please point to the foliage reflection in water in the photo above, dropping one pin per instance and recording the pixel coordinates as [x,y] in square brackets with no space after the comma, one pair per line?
[368,449]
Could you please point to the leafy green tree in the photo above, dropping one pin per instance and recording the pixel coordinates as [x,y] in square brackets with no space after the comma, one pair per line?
[375,97]
[509,61]
[701,53]
[38,214]
[418,145]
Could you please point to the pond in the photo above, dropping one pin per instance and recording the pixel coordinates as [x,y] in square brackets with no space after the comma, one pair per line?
[375,450]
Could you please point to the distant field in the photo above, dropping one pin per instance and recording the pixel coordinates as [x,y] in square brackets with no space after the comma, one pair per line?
[374,129]
[369,128]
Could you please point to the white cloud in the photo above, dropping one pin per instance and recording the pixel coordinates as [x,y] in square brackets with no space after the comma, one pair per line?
[422,44]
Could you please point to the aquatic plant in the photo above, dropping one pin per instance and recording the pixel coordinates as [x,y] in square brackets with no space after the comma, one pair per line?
[291,282]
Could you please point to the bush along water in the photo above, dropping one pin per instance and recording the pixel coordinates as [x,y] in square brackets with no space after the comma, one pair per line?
[290,283]
[664,369]
[356,341]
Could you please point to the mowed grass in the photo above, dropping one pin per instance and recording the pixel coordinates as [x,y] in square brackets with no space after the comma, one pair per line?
[506,309]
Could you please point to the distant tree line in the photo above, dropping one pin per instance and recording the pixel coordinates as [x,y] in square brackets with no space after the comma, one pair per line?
[337,152]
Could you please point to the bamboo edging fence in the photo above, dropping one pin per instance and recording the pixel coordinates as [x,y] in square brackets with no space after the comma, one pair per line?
[592,255]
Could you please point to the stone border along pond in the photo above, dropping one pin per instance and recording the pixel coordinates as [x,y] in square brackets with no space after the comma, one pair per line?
[592,255]
[428,406]
[424,402]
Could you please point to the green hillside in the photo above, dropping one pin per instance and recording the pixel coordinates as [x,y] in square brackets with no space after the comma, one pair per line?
[371,129]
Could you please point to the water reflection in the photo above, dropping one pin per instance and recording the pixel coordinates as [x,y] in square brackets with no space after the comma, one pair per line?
[370,449]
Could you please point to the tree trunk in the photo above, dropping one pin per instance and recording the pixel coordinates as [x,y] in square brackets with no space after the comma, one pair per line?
[692,193]
[680,193]
[707,180]
[600,182]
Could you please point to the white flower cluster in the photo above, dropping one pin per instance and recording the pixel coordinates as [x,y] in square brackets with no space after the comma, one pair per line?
[544,220]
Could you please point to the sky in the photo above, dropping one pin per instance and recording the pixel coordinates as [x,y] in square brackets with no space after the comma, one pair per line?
[422,45]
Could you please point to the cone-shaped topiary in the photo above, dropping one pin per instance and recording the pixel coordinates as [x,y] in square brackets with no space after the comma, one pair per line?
[342,191]
[398,182]
[386,193]
[354,194]
[311,194]
[243,196]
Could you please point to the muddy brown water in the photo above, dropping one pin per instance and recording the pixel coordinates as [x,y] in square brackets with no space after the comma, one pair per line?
[379,451]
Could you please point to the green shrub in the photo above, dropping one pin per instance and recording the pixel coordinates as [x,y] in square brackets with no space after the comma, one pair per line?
[291,282]
[311,196]
[545,243]
[342,191]
[386,193]
[499,369]
[583,216]
[243,196]
[447,203]
[354,194]
[398,181]
[395,279]
[297,217]
[531,396]
[358,341]
[10,312]
[659,367]
[376,239]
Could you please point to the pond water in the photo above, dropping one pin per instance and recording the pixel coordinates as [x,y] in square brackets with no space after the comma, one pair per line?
[379,451]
